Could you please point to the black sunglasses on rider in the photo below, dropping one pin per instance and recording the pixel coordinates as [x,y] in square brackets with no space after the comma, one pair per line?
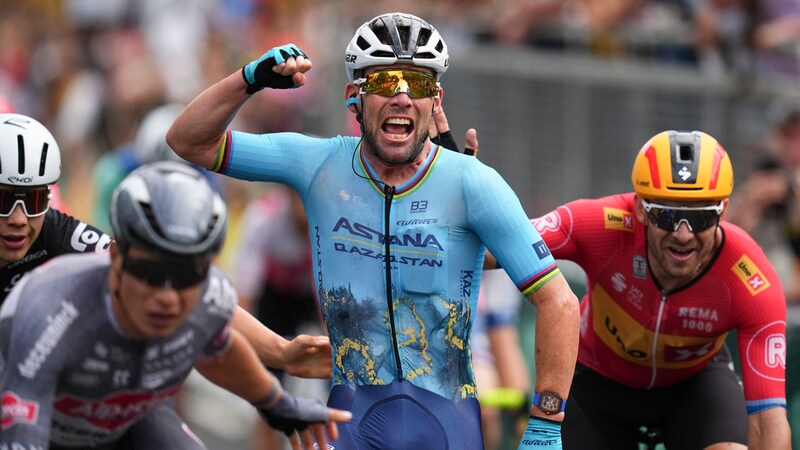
[34,201]
[166,274]
[669,218]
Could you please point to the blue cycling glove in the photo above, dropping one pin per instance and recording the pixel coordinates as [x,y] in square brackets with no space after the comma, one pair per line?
[290,413]
[258,74]
[541,434]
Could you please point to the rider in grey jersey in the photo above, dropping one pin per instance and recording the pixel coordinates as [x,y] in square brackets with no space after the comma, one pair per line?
[91,344]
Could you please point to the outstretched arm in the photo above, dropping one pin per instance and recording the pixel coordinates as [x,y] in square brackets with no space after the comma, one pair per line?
[304,356]
[197,132]
[304,420]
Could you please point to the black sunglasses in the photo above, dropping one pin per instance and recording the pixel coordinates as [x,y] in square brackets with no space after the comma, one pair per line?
[669,218]
[166,274]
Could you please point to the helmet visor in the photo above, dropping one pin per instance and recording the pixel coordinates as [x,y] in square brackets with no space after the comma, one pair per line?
[669,218]
[391,82]
[34,201]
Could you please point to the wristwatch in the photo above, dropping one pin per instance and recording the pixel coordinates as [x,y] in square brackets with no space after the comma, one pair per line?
[549,402]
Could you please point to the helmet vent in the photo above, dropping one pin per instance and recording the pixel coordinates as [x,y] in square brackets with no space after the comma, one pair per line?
[147,209]
[685,153]
[211,224]
[20,154]
[382,54]
[426,55]
[362,43]
[43,160]
[382,33]
[405,33]
[424,37]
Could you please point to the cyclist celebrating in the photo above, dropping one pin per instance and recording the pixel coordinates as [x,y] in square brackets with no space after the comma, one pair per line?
[667,280]
[31,232]
[124,330]
[398,230]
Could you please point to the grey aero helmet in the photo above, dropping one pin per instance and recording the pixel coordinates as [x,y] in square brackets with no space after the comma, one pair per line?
[393,38]
[29,154]
[169,209]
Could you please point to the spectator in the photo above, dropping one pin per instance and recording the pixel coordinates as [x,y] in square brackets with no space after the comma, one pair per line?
[767,204]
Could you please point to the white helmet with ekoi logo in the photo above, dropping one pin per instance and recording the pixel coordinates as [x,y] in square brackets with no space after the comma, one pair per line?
[29,154]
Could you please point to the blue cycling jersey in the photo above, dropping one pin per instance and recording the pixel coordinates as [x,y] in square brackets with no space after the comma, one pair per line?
[408,320]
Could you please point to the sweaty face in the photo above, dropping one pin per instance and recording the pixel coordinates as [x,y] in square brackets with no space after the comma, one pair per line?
[677,257]
[142,309]
[396,127]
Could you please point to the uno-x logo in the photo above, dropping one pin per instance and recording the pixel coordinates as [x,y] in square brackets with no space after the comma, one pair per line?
[672,354]
[617,219]
[17,410]
[750,274]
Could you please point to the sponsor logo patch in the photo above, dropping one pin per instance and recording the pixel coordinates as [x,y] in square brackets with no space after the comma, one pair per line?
[766,351]
[17,410]
[111,412]
[751,275]
[541,249]
[617,219]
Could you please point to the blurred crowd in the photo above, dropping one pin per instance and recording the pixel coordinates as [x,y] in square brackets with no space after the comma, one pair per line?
[108,76]
[91,69]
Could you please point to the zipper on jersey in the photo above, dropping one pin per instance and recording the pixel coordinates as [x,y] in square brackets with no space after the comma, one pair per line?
[654,349]
[388,194]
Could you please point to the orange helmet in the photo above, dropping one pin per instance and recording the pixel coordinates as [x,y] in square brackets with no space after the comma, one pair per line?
[676,165]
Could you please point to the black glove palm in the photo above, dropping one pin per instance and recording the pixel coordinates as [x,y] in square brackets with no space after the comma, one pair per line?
[290,414]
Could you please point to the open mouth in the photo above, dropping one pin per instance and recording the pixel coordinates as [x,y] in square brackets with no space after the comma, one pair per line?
[397,128]
[14,241]
[681,253]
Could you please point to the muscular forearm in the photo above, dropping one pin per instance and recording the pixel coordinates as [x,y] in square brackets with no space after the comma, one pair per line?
[238,370]
[268,345]
[304,356]
[557,324]
[769,430]
[196,133]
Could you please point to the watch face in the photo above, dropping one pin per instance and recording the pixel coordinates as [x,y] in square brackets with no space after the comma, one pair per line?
[549,402]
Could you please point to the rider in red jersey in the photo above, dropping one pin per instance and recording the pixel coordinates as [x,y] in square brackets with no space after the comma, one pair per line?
[666,281]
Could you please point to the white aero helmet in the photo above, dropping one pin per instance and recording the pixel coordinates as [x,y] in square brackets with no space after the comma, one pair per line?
[29,154]
[396,37]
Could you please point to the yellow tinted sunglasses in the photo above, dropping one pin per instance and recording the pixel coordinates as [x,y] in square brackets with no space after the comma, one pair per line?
[390,82]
